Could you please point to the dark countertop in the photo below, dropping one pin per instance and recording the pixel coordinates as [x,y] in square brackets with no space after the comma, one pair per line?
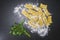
[7,19]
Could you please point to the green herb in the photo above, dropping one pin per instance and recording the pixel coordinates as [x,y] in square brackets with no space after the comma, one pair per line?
[18,29]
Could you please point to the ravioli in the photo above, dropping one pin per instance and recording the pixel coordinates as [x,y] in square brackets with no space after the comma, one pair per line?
[38,16]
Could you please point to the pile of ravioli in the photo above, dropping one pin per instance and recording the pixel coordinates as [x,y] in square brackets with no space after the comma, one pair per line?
[37,16]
